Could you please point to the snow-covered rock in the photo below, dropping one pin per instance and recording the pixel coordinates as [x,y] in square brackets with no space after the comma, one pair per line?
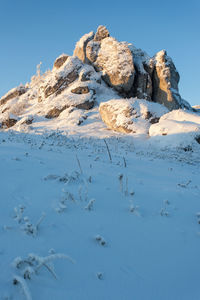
[61,79]
[131,116]
[14,93]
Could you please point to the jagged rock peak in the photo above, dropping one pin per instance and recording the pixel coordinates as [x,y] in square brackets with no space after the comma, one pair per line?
[102,33]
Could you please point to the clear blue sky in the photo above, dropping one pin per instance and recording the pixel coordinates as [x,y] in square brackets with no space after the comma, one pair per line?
[34,31]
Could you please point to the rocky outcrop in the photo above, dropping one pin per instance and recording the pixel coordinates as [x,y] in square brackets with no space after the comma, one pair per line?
[130,115]
[14,93]
[60,80]
[60,61]
[101,69]
[165,82]
[130,71]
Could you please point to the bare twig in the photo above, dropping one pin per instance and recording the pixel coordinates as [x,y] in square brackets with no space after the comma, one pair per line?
[22,282]
[124,162]
[108,150]
[78,161]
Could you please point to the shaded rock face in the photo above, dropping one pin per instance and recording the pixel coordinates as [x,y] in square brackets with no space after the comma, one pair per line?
[144,65]
[165,82]
[131,115]
[60,61]
[14,93]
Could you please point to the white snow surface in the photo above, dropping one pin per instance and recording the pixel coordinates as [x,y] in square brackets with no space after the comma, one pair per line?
[178,127]
[128,221]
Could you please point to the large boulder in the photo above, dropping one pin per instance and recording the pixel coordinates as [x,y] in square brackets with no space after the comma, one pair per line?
[115,60]
[14,93]
[131,115]
[165,82]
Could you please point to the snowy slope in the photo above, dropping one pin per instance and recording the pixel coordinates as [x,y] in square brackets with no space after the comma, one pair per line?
[131,225]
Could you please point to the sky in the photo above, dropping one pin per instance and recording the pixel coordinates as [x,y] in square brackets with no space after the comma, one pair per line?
[39,31]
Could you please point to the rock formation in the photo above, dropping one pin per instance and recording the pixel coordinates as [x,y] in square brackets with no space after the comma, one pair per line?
[130,71]
[100,69]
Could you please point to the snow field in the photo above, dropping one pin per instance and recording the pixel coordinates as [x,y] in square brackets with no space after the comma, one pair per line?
[131,226]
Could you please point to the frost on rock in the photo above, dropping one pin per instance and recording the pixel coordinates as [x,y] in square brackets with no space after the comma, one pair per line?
[131,116]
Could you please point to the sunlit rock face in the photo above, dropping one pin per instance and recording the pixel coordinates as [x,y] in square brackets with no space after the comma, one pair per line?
[165,82]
